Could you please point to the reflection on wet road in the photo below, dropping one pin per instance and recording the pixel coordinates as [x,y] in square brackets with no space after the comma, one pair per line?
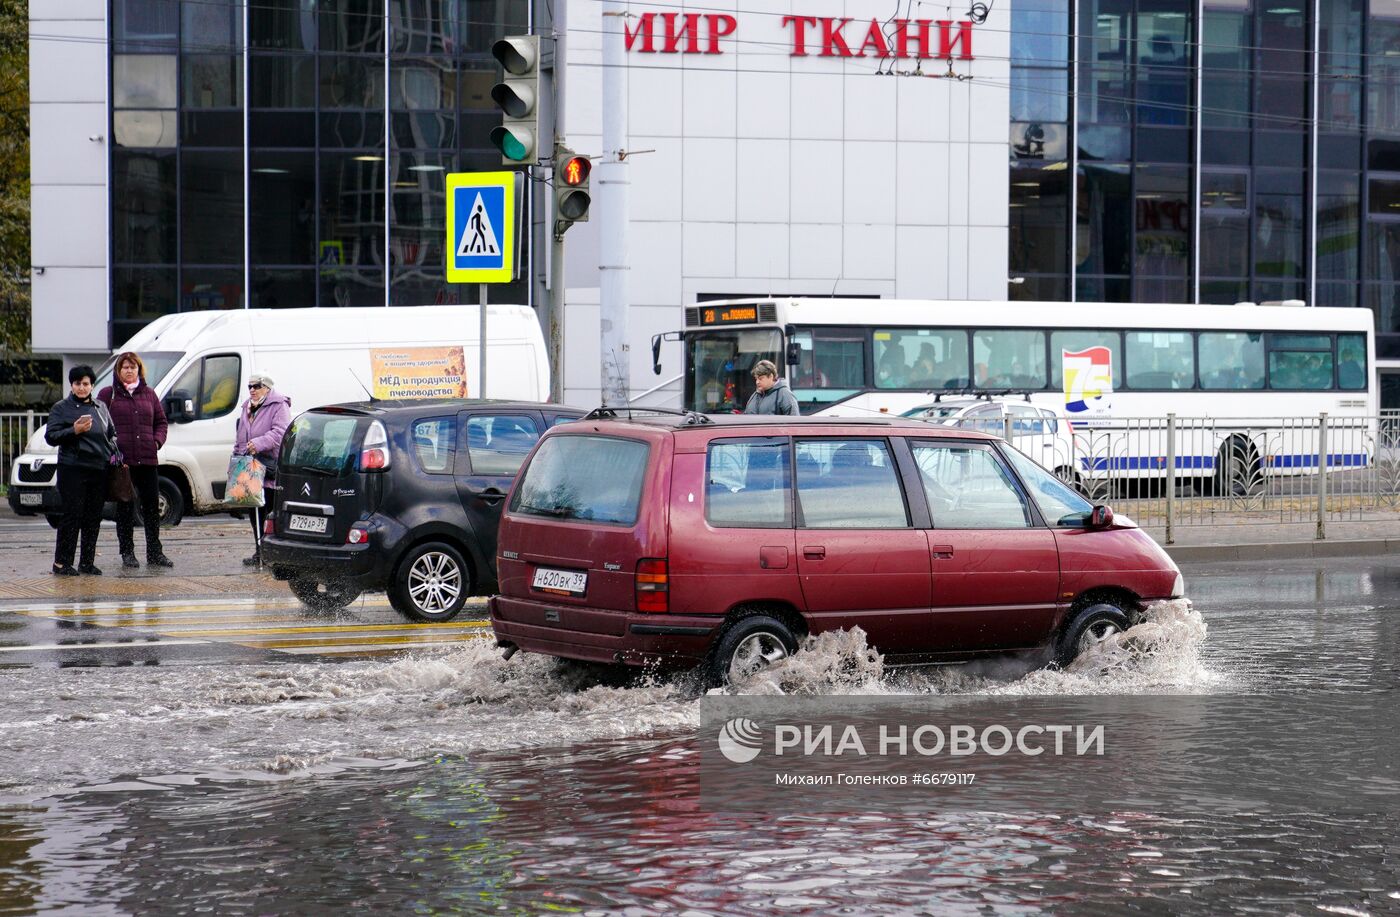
[161,632]
[452,780]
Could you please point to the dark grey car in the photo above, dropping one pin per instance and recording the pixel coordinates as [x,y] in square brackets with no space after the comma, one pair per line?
[399,496]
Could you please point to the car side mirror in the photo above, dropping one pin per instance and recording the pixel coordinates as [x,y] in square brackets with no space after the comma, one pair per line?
[1101,517]
[179,407]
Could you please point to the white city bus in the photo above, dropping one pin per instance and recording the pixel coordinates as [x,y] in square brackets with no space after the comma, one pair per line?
[1102,366]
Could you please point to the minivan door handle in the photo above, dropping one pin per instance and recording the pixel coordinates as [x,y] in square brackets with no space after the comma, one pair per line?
[942,551]
[492,494]
[814,552]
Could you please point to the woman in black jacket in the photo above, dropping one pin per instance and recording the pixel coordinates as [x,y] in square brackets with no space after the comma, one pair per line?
[82,430]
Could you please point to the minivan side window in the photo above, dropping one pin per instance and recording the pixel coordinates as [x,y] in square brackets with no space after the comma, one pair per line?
[212,383]
[748,483]
[849,484]
[1059,503]
[968,488]
[498,443]
[435,444]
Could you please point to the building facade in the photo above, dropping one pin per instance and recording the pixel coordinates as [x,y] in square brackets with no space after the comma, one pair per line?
[193,154]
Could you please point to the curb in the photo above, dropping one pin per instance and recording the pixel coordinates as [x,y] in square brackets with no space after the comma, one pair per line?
[1289,550]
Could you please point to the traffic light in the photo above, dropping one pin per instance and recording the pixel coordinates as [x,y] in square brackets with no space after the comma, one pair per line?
[518,98]
[571,198]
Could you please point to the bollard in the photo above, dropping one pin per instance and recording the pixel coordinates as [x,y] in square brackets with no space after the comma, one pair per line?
[29,426]
[1006,427]
[1322,476]
[1171,476]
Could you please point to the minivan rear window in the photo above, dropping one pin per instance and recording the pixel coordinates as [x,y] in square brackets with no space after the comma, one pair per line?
[596,478]
[320,443]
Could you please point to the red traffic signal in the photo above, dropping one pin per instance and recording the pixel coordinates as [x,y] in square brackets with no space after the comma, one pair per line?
[575,171]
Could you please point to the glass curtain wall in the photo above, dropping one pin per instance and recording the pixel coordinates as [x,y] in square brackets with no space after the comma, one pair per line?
[328,179]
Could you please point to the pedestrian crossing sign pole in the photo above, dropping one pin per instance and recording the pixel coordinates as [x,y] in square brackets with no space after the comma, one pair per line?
[481,240]
[481,227]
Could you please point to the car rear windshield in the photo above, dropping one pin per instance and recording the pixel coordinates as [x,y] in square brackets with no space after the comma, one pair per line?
[323,443]
[597,478]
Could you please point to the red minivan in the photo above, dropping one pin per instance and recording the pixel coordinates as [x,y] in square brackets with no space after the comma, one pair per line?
[683,540]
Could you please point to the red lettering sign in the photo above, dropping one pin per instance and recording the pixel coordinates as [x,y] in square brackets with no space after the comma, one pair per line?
[697,33]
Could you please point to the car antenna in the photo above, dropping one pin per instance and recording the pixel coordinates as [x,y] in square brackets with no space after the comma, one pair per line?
[368,393]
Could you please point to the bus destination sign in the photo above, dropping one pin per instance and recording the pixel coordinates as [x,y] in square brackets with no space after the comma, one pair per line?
[729,315]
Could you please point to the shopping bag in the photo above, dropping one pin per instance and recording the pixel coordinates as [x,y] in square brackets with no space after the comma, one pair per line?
[245,482]
[119,486]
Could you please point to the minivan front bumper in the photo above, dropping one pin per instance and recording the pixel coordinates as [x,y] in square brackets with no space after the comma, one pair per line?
[602,635]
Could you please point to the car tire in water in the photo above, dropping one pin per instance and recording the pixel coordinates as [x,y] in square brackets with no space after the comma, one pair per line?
[170,501]
[1091,624]
[749,645]
[320,596]
[432,583]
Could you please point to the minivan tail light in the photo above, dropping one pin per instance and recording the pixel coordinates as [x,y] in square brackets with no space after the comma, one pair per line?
[374,453]
[356,535]
[653,586]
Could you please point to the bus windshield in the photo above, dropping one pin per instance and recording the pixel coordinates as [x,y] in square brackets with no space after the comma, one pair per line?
[719,366]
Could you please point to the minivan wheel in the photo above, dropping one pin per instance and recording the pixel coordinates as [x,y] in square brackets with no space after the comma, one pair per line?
[432,583]
[320,596]
[748,646]
[1089,626]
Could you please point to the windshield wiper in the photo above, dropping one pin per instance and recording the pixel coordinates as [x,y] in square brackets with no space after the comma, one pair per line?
[558,512]
[312,469]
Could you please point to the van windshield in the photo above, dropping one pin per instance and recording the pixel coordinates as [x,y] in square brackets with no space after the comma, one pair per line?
[158,366]
[597,478]
[320,443]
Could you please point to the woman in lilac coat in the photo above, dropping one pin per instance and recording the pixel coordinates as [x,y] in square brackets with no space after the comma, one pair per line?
[261,425]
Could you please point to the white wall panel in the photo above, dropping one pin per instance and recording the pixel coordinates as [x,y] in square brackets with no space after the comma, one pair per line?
[761,199]
[763,250]
[70,310]
[69,226]
[816,180]
[868,252]
[60,148]
[715,163]
[817,105]
[708,249]
[815,251]
[869,190]
[921,262]
[921,186]
[709,103]
[660,174]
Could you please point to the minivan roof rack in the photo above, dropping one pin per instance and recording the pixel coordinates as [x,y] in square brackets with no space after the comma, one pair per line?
[604,412]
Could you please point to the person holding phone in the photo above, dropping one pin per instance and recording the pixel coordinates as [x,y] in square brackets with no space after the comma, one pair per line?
[82,429]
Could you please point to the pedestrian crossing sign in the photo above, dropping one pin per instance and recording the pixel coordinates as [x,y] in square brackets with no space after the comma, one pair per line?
[481,227]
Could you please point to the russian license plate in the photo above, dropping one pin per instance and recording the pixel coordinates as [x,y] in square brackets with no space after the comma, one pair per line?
[307,524]
[571,581]
[31,499]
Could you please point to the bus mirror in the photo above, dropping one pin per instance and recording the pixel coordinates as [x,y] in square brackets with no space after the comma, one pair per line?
[794,353]
[656,354]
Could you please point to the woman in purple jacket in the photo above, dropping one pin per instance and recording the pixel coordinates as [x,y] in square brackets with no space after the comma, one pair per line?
[261,426]
[141,427]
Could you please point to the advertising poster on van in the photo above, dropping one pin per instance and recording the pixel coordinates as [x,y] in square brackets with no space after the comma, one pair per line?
[418,372]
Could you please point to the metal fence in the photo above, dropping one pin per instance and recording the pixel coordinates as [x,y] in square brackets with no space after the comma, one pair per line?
[1182,471]
[15,429]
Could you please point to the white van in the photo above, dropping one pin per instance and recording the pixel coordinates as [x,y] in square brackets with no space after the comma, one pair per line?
[199,363]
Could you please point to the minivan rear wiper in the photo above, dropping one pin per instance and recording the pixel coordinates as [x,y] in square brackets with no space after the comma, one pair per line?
[558,512]
[312,469]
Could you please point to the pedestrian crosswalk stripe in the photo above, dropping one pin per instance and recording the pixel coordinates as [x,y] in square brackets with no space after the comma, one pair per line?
[404,640]
[336,629]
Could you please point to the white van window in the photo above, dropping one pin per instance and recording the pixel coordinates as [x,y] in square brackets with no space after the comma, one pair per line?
[594,478]
[968,488]
[498,443]
[212,384]
[849,484]
[748,484]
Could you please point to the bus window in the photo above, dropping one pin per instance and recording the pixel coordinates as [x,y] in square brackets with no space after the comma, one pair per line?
[1300,361]
[1232,360]
[1160,360]
[924,358]
[1076,341]
[828,358]
[1351,362]
[721,365]
[1008,359]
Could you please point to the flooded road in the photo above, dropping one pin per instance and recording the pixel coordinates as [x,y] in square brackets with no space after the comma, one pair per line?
[452,780]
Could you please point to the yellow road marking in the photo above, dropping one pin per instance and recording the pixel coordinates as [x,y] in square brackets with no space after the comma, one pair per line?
[368,641]
[338,629]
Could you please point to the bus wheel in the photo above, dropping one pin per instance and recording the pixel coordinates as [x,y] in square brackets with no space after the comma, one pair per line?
[1238,471]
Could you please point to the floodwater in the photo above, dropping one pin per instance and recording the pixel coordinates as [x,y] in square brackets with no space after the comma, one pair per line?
[462,782]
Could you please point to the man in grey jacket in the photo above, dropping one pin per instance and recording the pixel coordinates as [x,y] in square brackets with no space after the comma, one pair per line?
[773,395]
